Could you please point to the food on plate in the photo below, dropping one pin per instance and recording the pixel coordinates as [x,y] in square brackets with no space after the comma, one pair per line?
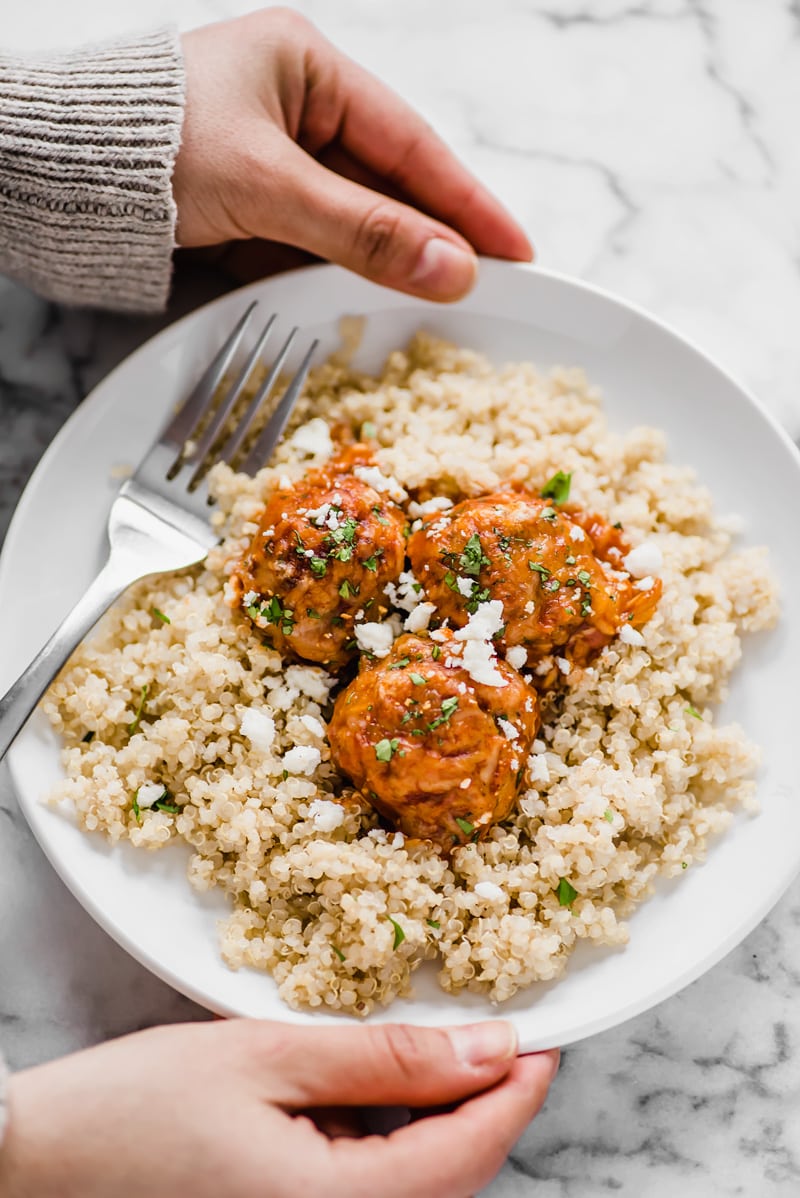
[560,574]
[277,747]
[438,753]
[324,550]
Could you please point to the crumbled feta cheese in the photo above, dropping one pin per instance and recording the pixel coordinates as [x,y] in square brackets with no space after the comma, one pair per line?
[313,439]
[576,533]
[488,890]
[375,638]
[529,704]
[478,655]
[438,526]
[332,520]
[420,617]
[406,594]
[516,656]
[379,481]
[530,608]
[439,503]
[508,729]
[327,816]
[484,623]
[318,515]
[249,598]
[302,759]
[462,688]
[630,636]
[258,727]
[644,559]
[149,793]
[465,586]
[537,768]
[416,525]
[644,584]
[563,665]
[312,723]
[465,784]
[543,667]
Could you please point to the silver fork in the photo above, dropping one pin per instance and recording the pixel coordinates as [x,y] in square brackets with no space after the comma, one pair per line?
[160,519]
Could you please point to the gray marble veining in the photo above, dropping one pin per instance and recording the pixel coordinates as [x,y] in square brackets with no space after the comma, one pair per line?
[651,147]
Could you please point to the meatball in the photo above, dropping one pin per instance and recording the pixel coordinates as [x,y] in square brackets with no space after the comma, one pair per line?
[325,549]
[557,572]
[439,755]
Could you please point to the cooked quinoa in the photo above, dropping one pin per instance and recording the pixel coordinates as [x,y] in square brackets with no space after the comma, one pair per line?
[179,723]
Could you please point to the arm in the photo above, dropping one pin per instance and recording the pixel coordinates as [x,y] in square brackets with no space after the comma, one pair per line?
[88,142]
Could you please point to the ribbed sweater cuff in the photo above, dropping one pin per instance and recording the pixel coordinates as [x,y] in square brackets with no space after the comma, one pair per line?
[88,142]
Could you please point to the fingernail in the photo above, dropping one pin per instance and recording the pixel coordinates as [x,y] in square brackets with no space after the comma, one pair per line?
[484,1043]
[443,270]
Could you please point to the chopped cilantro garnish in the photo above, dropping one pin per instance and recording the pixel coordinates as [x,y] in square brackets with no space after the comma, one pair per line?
[88,738]
[608,815]
[585,578]
[570,560]
[313,614]
[417,679]
[337,621]
[557,488]
[399,665]
[433,923]
[159,615]
[345,590]
[476,599]
[473,557]
[137,719]
[566,893]
[384,748]
[372,562]
[135,808]
[586,607]
[466,827]
[552,585]
[399,934]
[319,567]
[160,805]
[448,707]
[539,568]
[450,581]
[338,952]
[693,712]
[684,864]
[618,525]
[436,652]
[275,613]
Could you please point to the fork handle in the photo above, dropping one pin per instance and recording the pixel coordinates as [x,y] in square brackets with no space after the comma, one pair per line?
[18,703]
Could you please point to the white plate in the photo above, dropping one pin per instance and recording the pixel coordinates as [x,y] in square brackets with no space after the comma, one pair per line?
[649,375]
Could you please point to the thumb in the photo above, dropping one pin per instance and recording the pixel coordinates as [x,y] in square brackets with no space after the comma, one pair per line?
[384,1064]
[386,241]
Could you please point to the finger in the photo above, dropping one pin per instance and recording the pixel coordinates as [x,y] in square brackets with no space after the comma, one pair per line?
[379,129]
[387,242]
[453,1155]
[381,1065]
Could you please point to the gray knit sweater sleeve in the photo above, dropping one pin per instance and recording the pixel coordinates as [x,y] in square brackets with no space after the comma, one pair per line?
[88,141]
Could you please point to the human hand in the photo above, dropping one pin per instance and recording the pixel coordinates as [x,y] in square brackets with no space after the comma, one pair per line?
[267,1110]
[286,140]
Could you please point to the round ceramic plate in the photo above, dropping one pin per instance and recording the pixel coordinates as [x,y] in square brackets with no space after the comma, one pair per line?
[648,375]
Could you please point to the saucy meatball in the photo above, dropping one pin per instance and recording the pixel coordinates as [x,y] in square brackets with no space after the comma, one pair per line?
[324,551]
[439,755]
[557,571]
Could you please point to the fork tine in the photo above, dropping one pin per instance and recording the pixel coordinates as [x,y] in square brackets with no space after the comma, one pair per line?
[226,406]
[191,412]
[234,442]
[270,435]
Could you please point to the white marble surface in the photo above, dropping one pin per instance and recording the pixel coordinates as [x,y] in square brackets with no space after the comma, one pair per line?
[651,147]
